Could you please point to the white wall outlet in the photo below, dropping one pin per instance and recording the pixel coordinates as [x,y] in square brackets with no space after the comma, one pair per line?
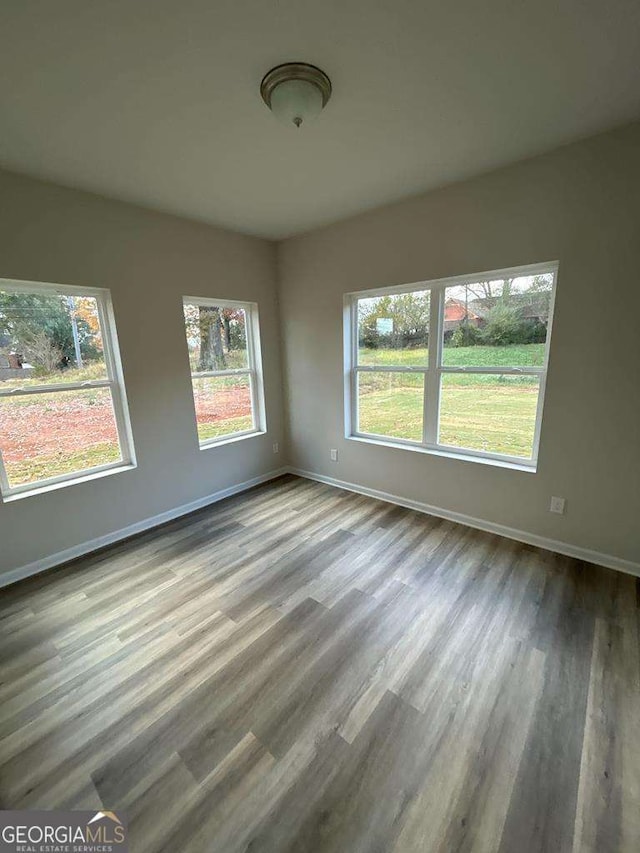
[276,448]
[333,455]
[557,505]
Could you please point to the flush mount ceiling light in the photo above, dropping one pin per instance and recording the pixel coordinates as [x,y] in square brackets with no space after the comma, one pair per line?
[295,92]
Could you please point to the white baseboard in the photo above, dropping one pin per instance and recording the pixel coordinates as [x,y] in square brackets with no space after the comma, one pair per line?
[125,532]
[83,548]
[566,548]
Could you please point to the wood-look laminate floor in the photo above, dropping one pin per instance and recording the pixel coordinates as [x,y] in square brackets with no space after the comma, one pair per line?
[304,669]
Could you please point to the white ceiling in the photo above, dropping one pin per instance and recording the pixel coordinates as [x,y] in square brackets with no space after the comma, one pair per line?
[157,101]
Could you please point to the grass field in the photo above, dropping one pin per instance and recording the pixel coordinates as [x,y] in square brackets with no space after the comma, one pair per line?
[216,429]
[518,355]
[44,467]
[487,412]
[52,434]
[90,371]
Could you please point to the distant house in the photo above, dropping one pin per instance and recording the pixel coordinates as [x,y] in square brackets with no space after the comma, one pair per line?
[455,311]
[531,306]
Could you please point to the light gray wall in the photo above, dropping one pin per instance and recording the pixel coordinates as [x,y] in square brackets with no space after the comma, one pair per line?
[148,260]
[579,205]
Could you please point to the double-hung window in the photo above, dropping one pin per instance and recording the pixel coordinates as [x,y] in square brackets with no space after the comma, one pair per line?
[63,412]
[223,340]
[455,366]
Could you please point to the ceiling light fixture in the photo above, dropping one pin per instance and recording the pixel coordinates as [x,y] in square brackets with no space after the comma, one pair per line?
[295,92]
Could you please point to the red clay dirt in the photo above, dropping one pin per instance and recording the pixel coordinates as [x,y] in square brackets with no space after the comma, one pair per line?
[65,425]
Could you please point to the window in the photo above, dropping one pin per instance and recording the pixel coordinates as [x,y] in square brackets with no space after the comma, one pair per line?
[63,411]
[452,366]
[226,371]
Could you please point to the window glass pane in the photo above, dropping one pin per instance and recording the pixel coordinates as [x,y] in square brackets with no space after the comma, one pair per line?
[217,337]
[496,414]
[394,330]
[501,323]
[223,405]
[48,435]
[391,404]
[49,339]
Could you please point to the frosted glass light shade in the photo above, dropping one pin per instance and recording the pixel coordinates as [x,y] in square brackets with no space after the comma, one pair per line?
[295,92]
[295,102]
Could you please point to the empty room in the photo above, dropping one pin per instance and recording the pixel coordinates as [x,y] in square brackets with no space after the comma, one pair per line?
[319,426]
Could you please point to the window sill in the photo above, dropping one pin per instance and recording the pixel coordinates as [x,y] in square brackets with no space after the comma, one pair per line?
[73,481]
[230,439]
[447,454]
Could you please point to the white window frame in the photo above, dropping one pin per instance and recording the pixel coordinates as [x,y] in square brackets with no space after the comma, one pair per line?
[253,369]
[114,382]
[434,370]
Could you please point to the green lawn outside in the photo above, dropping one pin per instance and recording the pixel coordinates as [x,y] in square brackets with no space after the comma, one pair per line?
[92,370]
[480,412]
[224,427]
[50,402]
[50,465]
[395,411]
[494,418]
[519,355]
[491,413]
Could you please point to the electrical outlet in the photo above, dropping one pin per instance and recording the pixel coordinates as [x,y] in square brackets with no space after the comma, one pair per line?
[557,505]
[276,448]
[333,455]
